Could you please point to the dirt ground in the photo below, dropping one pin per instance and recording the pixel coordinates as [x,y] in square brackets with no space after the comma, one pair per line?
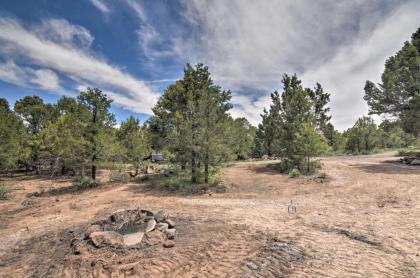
[364,222]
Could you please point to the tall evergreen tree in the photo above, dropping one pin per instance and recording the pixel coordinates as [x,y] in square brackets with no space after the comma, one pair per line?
[134,142]
[37,116]
[12,136]
[320,100]
[97,104]
[399,93]
[188,119]
[297,110]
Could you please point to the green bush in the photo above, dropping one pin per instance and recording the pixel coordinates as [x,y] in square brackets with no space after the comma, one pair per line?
[118,176]
[294,173]
[285,166]
[4,191]
[84,182]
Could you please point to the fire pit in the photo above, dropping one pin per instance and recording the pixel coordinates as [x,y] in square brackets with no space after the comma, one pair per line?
[132,228]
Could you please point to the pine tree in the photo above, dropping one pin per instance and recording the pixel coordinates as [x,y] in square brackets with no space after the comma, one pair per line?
[97,104]
[399,93]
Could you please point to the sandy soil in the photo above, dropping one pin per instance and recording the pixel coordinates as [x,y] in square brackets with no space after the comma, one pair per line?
[364,222]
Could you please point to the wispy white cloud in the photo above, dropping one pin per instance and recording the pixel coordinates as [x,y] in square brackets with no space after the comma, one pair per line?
[46,79]
[154,45]
[27,77]
[101,6]
[250,44]
[42,47]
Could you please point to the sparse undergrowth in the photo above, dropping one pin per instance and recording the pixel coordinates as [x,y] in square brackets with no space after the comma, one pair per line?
[118,176]
[84,182]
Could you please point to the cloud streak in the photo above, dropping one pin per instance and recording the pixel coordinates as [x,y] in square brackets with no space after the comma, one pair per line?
[248,45]
[101,6]
[58,46]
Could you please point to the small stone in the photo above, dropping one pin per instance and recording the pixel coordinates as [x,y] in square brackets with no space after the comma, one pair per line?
[162,226]
[102,239]
[170,222]
[170,233]
[150,225]
[91,229]
[155,237]
[160,216]
[169,244]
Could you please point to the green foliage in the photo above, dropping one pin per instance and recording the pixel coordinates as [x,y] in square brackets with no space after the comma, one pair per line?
[296,126]
[135,145]
[363,137]
[98,123]
[320,99]
[84,182]
[4,191]
[294,173]
[12,138]
[309,143]
[399,93]
[242,135]
[36,116]
[190,120]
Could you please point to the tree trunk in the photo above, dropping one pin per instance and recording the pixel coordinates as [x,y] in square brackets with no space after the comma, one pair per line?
[309,165]
[206,167]
[193,167]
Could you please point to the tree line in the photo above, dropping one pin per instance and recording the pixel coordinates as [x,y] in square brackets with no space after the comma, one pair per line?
[192,126]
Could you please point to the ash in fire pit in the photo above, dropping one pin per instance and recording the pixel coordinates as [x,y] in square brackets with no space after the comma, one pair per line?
[129,228]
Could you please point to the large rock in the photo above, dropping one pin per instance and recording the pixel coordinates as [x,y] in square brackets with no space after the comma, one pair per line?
[107,238]
[415,162]
[160,216]
[162,226]
[133,239]
[150,226]
[92,229]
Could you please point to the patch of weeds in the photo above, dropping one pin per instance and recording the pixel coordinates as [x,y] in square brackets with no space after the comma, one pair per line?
[294,173]
[320,177]
[84,182]
[5,190]
[44,187]
[182,183]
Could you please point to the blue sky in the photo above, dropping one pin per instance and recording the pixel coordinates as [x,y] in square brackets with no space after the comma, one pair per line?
[133,50]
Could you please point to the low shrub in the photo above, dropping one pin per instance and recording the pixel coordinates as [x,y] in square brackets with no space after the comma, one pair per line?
[118,176]
[84,182]
[294,173]
[4,191]
[285,166]
[310,169]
